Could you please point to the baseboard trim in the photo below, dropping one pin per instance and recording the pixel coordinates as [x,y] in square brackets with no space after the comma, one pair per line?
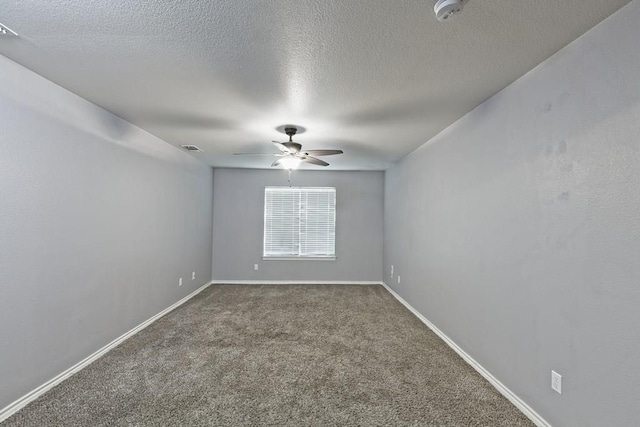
[513,398]
[295,282]
[14,407]
[20,403]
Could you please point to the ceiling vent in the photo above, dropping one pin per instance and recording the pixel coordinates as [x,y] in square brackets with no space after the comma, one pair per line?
[446,9]
[191,148]
[6,31]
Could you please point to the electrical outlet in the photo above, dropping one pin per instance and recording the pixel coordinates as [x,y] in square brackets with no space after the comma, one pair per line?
[556,382]
[255,267]
[193,276]
[398,278]
[392,271]
[180,282]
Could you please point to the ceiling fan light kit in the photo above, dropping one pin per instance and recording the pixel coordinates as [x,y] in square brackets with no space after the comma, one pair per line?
[288,163]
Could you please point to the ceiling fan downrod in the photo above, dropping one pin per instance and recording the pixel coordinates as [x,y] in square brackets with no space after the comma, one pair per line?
[290,131]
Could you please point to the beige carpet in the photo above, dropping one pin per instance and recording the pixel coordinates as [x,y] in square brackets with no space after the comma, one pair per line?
[299,355]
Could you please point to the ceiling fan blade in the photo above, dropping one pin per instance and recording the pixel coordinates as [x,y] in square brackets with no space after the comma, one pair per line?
[276,163]
[257,154]
[314,161]
[323,152]
[281,147]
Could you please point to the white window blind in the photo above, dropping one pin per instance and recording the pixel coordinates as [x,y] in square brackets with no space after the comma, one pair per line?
[299,222]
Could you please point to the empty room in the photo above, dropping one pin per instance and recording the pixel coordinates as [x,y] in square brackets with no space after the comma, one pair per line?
[320,213]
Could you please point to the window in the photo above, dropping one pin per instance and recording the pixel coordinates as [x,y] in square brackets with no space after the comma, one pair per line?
[299,222]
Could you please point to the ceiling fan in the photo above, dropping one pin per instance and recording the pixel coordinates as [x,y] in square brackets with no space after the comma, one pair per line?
[291,153]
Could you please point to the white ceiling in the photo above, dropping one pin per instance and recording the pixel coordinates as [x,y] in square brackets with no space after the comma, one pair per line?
[375,78]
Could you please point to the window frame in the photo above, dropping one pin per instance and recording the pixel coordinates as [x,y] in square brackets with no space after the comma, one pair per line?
[292,257]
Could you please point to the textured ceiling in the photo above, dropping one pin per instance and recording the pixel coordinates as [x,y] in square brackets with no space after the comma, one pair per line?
[375,78]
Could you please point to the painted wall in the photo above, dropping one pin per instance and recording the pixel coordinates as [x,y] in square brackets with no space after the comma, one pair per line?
[98,220]
[516,231]
[238,226]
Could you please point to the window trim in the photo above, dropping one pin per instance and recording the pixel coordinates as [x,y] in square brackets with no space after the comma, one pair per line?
[299,257]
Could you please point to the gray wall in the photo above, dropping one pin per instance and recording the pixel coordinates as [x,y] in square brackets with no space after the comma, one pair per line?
[238,224]
[98,219]
[517,230]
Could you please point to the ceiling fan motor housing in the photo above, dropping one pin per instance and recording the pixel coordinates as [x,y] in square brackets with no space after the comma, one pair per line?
[293,147]
[445,9]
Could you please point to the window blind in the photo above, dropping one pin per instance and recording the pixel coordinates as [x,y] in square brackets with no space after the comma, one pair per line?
[299,222]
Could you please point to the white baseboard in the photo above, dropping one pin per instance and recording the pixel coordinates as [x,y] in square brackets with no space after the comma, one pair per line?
[294,282]
[14,407]
[513,398]
[34,394]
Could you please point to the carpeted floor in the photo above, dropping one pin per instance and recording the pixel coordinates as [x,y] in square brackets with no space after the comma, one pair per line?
[298,355]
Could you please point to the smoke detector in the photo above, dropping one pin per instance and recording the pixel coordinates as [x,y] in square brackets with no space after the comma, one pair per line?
[445,9]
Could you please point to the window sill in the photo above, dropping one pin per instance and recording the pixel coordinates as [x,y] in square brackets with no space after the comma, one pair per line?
[299,258]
